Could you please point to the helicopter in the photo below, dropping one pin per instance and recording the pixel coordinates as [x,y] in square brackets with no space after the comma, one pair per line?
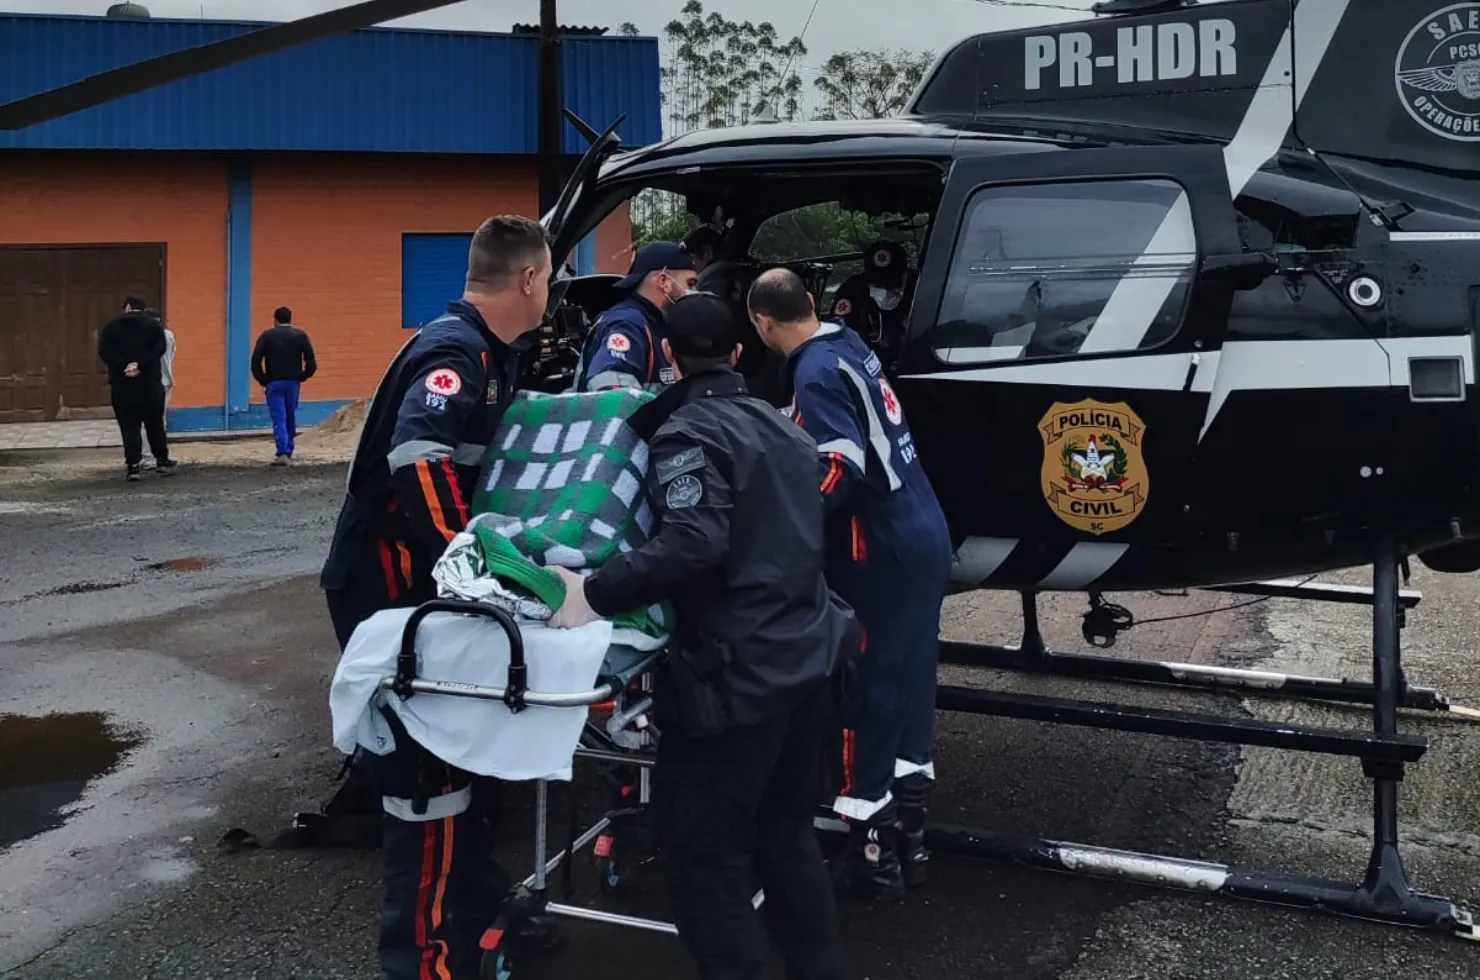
[1147,343]
[1150,343]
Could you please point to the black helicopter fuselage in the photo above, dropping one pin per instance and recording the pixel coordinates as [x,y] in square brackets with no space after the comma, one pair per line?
[1160,343]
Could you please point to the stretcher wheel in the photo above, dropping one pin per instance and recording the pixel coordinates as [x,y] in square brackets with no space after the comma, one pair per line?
[609,867]
[611,872]
[522,929]
[496,966]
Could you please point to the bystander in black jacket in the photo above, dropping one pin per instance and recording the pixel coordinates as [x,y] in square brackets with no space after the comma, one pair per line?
[283,353]
[739,549]
[137,338]
[132,338]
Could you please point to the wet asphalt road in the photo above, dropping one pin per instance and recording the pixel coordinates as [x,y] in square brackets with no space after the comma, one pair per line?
[187,610]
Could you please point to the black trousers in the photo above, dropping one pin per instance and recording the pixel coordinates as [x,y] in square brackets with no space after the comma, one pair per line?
[141,408]
[735,810]
[350,607]
[442,885]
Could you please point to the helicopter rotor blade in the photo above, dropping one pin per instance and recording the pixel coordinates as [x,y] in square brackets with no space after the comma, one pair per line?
[119,82]
[584,128]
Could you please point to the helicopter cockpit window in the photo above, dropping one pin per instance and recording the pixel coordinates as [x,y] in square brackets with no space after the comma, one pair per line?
[836,235]
[1067,268]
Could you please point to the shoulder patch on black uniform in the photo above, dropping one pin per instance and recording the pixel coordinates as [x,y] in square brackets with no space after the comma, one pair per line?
[678,464]
[686,491]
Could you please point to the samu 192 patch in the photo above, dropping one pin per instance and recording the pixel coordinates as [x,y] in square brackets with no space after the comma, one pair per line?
[444,381]
[684,491]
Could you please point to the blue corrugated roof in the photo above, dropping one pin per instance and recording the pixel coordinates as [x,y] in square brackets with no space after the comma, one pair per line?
[376,90]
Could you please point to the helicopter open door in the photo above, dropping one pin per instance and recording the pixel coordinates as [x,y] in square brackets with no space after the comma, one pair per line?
[1065,301]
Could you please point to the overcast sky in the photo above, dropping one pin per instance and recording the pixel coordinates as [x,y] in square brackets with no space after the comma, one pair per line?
[835,24]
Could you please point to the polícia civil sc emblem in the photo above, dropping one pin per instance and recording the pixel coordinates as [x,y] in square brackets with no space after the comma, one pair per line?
[1438,72]
[1094,477]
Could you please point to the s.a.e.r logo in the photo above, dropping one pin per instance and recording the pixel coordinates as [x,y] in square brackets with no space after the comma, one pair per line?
[1438,72]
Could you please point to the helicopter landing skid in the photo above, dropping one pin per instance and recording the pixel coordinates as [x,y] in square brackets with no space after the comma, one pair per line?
[1384,895]
[1033,657]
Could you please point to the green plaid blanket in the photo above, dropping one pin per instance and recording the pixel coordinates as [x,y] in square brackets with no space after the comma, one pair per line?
[563,485]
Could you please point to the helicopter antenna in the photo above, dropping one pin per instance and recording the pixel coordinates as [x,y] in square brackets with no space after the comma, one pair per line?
[766,112]
[1389,215]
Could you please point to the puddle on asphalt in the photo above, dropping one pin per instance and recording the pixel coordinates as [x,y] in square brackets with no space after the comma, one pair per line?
[82,588]
[46,763]
[192,564]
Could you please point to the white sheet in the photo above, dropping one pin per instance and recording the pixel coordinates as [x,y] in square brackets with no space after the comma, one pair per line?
[482,737]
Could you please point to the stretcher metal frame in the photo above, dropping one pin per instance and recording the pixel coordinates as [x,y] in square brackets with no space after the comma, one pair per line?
[525,924]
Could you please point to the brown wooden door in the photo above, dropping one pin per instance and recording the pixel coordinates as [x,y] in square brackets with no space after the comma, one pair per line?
[53,303]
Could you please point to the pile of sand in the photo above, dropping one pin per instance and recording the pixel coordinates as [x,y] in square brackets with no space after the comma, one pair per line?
[331,441]
[338,434]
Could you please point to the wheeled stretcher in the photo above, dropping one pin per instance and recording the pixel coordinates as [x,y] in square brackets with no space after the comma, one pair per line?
[627,739]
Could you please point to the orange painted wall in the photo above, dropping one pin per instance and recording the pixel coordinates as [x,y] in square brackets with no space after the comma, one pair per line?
[49,198]
[326,242]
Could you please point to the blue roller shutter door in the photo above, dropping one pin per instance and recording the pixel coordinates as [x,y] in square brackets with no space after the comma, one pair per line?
[433,268]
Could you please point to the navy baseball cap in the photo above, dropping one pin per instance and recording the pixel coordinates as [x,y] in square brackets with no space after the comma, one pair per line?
[702,325]
[655,256]
[885,263]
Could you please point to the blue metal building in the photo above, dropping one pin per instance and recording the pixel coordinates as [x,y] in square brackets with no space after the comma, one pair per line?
[341,178]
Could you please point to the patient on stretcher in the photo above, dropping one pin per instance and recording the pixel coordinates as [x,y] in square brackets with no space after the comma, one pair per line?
[562,485]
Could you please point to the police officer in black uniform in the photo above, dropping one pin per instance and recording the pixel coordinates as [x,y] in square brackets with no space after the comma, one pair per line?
[744,701]
[409,487]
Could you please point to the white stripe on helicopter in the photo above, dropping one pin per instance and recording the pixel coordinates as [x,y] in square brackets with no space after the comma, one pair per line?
[1241,365]
[1128,315]
[979,558]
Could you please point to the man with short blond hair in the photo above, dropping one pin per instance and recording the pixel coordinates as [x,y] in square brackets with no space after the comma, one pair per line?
[501,247]
[410,485]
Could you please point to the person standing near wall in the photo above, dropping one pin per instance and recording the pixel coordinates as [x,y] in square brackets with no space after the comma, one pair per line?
[166,380]
[166,365]
[132,345]
[281,362]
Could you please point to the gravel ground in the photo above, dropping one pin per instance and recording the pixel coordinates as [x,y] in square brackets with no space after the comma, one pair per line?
[186,609]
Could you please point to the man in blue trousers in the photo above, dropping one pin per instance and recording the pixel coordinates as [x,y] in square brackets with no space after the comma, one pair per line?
[282,360]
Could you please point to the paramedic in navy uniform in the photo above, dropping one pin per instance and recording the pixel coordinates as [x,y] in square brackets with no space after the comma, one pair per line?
[745,695]
[624,347]
[409,487]
[889,557]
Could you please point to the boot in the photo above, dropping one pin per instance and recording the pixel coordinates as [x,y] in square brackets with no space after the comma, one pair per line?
[912,792]
[869,868]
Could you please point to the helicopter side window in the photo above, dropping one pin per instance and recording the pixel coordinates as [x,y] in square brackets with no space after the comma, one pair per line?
[1067,268]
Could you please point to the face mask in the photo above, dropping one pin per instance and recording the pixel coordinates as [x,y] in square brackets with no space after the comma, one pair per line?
[885,299]
[677,292]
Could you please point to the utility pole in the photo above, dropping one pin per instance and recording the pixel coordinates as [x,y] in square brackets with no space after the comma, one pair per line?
[551,121]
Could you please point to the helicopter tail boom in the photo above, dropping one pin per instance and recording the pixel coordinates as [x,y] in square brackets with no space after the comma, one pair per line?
[1391,81]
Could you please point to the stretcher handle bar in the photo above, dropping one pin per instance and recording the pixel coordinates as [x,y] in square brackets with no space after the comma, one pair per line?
[619,758]
[512,695]
[578,700]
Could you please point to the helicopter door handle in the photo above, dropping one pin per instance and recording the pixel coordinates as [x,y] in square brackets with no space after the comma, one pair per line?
[1241,270]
